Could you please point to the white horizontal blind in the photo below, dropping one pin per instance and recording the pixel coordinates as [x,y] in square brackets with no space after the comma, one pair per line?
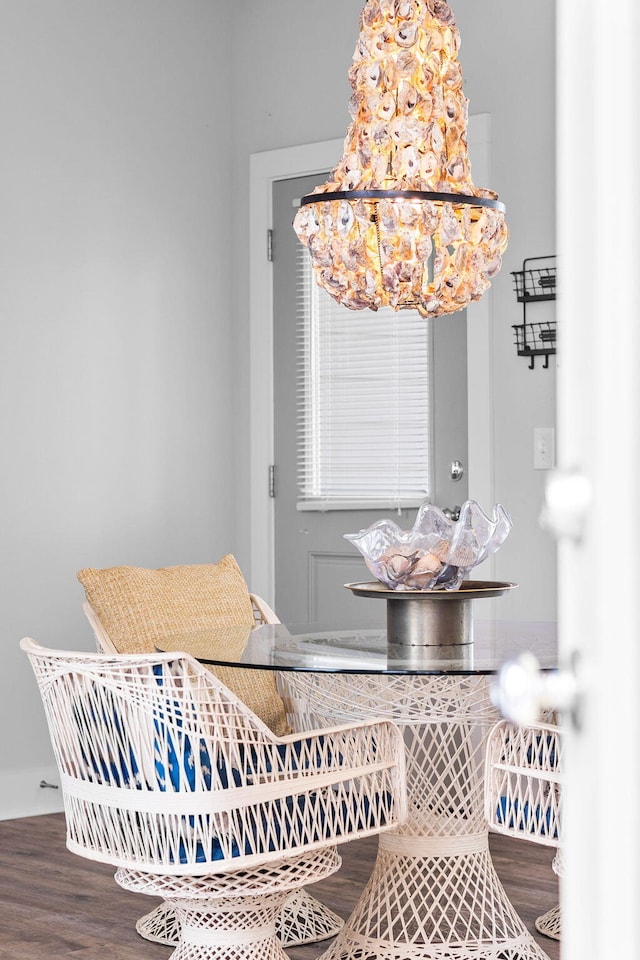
[364,403]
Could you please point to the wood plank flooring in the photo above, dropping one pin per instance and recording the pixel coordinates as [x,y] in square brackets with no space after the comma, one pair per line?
[57,905]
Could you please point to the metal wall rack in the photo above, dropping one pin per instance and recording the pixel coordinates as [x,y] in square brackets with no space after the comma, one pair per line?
[533,284]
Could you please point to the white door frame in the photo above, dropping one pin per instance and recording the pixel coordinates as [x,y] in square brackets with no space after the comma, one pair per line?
[305,160]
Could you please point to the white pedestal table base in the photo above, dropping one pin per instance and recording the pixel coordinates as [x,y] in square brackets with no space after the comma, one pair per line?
[434,893]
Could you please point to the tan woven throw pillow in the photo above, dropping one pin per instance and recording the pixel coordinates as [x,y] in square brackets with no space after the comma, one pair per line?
[138,607]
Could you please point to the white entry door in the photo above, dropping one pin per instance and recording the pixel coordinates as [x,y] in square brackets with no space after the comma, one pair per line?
[312,559]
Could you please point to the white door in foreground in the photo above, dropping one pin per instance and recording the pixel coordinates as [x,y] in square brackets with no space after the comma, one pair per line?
[595,494]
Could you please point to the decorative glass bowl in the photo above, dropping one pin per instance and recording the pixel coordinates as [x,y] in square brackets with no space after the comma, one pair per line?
[437,553]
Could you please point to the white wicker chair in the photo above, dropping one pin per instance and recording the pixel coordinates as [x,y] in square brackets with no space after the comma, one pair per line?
[170,778]
[303,918]
[523,793]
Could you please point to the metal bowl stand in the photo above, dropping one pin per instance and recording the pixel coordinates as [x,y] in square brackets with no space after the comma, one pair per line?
[438,618]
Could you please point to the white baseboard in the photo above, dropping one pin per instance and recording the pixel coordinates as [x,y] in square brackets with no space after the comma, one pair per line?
[22,796]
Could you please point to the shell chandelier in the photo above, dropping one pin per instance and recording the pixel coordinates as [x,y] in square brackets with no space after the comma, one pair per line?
[400,223]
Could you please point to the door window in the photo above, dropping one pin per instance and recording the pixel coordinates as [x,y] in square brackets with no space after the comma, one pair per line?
[364,402]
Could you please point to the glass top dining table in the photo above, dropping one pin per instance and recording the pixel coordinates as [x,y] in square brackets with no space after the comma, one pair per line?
[299,647]
[434,892]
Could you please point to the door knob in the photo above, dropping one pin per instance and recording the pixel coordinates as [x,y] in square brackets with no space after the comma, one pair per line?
[456,470]
[567,501]
[452,513]
[522,691]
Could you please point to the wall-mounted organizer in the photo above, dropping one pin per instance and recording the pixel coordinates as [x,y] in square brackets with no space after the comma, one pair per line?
[533,284]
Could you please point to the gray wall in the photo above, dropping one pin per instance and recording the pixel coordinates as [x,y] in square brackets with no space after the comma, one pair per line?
[508,58]
[296,91]
[115,318]
[124,305]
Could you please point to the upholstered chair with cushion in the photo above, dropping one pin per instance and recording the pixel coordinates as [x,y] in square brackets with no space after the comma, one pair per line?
[130,609]
[170,778]
[523,794]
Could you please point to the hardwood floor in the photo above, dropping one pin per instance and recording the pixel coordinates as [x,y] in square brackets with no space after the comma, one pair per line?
[57,905]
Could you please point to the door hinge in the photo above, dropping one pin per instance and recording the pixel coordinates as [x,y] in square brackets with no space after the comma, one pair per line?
[272,481]
[270,246]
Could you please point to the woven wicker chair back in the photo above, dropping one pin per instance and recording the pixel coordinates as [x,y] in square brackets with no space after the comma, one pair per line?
[164,769]
[523,782]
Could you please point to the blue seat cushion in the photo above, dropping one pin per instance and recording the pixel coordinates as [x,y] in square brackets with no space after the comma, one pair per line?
[182,772]
[517,816]
[544,745]
[289,810]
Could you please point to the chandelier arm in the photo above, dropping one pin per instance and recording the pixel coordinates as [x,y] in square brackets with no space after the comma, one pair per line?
[455,198]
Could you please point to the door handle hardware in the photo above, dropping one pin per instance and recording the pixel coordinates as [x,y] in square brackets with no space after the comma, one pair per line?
[456,470]
[567,501]
[522,691]
[452,513]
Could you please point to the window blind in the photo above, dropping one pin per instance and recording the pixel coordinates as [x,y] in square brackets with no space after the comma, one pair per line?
[363,403]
